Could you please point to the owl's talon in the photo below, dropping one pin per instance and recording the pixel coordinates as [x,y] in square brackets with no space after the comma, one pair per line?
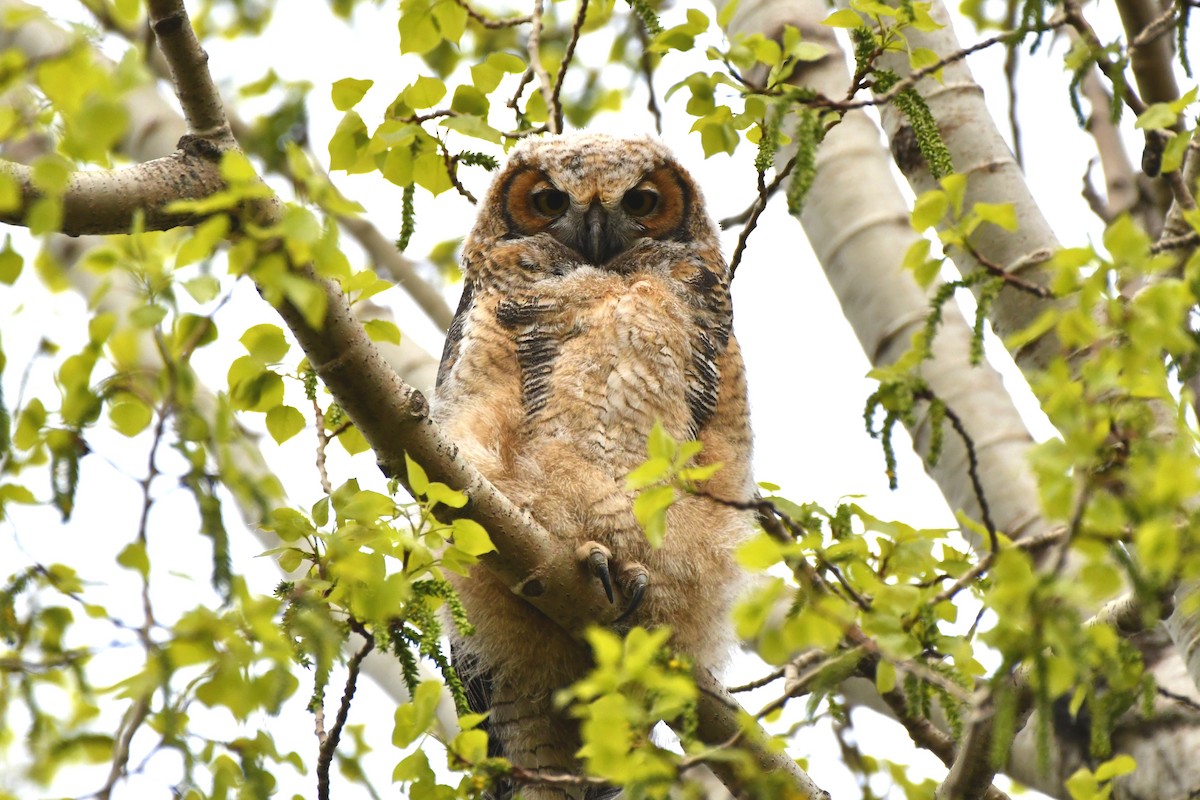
[596,557]
[633,583]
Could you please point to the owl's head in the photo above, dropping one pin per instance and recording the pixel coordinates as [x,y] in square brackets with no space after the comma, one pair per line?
[597,194]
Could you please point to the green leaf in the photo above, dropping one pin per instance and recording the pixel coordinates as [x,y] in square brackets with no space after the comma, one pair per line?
[844,18]
[417,479]
[381,330]
[917,261]
[133,557]
[413,719]
[130,416]
[1002,215]
[885,676]
[284,422]
[473,126]
[471,537]
[251,388]
[653,471]
[441,493]
[289,524]
[424,92]
[1179,104]
[955,185]
[1177,145]
[726,13]
[506,62]
[16,493]
[367,506]
[650,509]
[347,143]
[1082,785]
[759,553]
[10,262]
[348,91]
[469,100]
[1126,241]
[265,343]
[202,288]
[471,746]
[147,316]
[306,295]
[717,131]
[929,209]
[1156,116]
[1122,764]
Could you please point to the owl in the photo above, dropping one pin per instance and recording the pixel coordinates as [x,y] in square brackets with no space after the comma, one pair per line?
[595,305]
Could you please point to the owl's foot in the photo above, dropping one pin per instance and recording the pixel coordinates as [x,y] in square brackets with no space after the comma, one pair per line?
[633,577]
[634,580]
[595,557]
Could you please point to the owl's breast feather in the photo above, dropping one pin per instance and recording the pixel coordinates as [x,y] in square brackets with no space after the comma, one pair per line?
[619,367]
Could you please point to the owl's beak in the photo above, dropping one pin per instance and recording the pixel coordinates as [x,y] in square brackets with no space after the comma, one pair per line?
[600,241]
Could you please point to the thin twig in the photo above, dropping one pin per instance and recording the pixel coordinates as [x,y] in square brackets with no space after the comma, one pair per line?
[555,103]
[1178,698]
[765,192]
[330,744]
[452,171]
[130,724]
[915,76]
[1181,242]
[1010,278]
[1010,81]
[535,63]
[801,684]
[526,76]
[490,22]
[985,512]
[647,66]
[758,683]
[322,445]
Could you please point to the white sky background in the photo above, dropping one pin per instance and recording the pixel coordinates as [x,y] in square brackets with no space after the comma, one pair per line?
[806,371]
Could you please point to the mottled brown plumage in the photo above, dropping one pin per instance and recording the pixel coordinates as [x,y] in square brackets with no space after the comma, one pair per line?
[596,302]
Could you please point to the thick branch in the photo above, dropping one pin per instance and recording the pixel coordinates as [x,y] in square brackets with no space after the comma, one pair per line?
[106,201]
[721,720]
[1152,61]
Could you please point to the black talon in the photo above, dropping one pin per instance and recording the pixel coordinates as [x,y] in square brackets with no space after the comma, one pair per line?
[598,563]
[640,582]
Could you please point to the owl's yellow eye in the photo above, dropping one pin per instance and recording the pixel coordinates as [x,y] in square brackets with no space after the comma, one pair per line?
[550,202]
[639,202]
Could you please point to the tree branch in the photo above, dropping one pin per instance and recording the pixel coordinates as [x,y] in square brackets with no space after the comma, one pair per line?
[107,201]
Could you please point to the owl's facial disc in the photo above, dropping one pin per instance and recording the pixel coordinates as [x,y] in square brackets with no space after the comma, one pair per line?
[598,223]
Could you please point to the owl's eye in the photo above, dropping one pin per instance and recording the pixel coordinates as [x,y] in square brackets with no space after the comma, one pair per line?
[550,202]
[639,202]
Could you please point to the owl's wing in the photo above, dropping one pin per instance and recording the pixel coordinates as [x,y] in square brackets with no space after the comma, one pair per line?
[537,338]
[454,334]
[707,292]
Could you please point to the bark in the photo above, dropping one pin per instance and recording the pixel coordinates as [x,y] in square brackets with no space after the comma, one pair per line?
[1152,62]
[978,151]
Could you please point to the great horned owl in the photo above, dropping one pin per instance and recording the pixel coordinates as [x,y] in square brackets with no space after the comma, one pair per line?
[596,302]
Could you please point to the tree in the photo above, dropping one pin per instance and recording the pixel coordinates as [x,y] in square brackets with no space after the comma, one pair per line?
[1079,673]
